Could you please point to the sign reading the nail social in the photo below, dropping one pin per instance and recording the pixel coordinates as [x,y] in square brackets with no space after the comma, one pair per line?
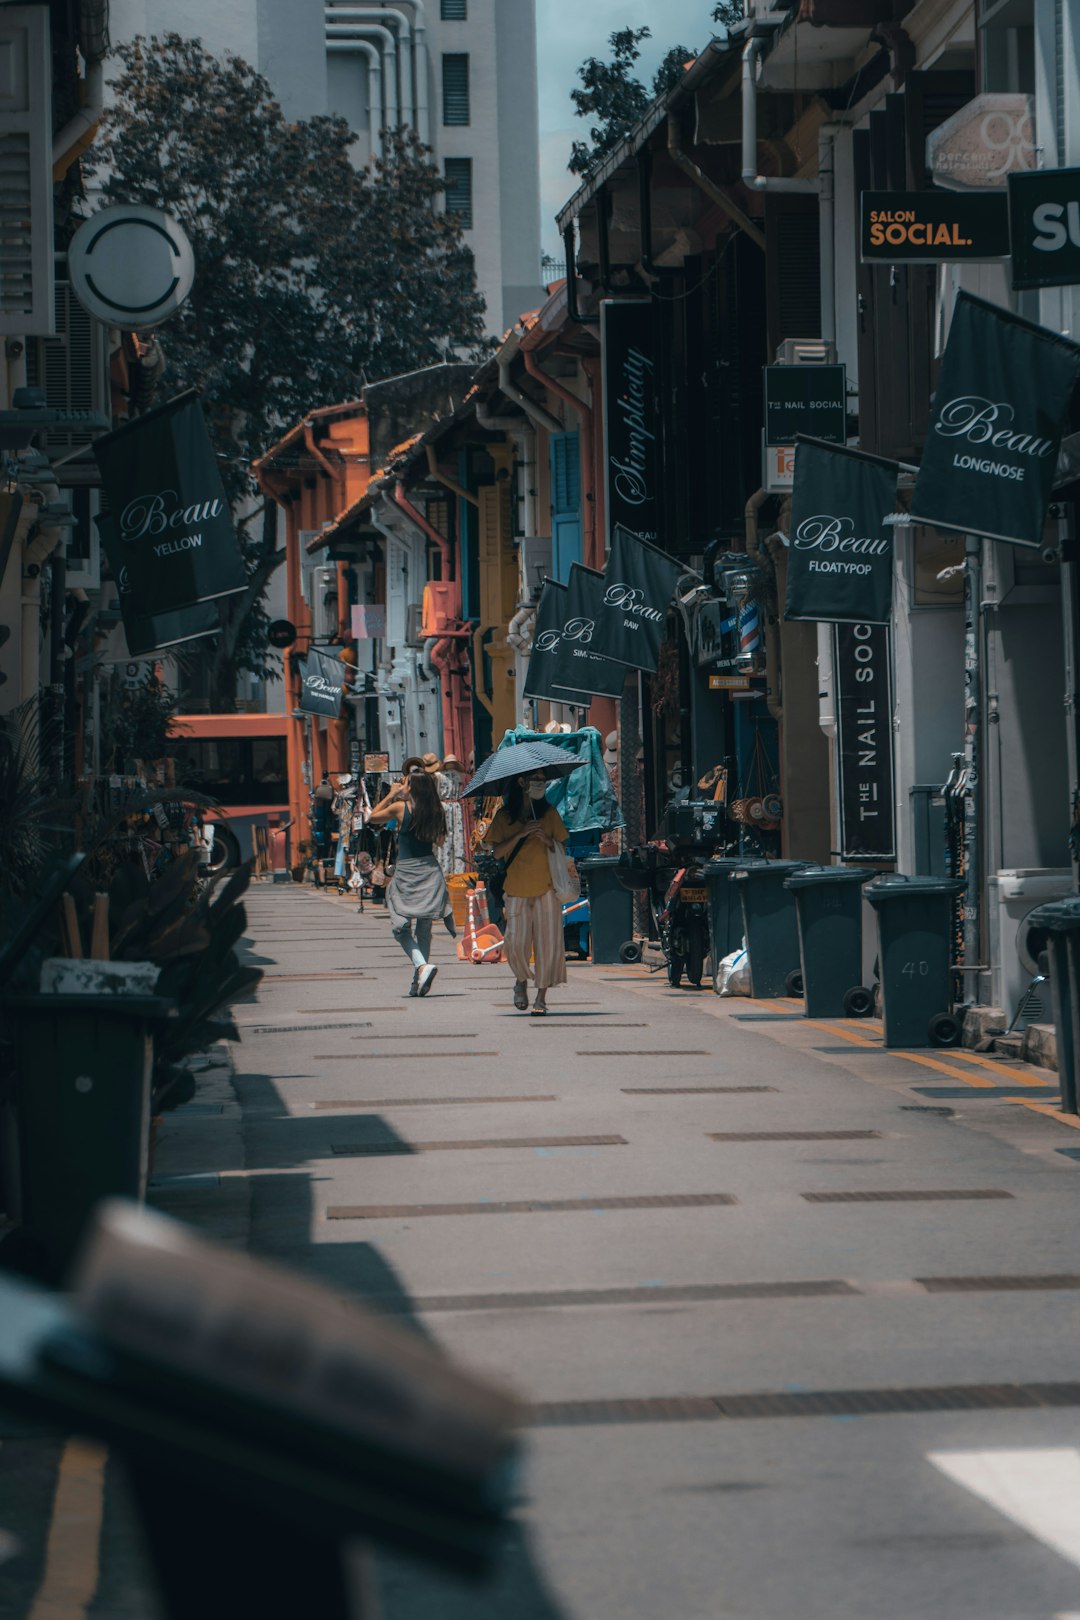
[1044,224]
[631,418]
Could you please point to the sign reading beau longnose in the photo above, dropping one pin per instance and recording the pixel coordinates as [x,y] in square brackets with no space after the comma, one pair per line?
[631,417]
[170,510]
[840,561]
[999,409]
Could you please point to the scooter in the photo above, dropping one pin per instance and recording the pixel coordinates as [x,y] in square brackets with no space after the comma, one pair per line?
[683,925]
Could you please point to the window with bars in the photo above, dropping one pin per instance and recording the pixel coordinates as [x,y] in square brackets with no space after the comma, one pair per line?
[457,172]
[454,10]
[455,88]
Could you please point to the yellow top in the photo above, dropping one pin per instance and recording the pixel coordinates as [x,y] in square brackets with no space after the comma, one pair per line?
[529,874]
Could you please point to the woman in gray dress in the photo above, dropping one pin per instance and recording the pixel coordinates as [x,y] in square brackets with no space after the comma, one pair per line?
[416,894]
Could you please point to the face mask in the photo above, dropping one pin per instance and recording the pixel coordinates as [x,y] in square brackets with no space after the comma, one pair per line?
[536,788]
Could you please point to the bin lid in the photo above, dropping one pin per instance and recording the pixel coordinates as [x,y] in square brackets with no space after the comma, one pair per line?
[588,862]
[814,876]
[1056,916]
[898,886]
[748,870]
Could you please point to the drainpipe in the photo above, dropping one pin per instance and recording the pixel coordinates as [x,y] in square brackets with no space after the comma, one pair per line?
[644,170]
[420,69]
[347,32]
[709,187]
[496,424]
[537,415]
[448,483]
[79,131]
[336,15]
[750,177]
[313,450]
[585,416]
[573,312]
[421,522]
[364,47]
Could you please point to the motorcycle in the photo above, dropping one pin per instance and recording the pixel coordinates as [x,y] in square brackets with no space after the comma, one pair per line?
[683,925]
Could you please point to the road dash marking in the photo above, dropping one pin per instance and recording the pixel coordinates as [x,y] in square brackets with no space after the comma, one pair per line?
[72,1553]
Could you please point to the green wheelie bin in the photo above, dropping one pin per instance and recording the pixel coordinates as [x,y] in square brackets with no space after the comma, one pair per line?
[828,907]
[1061,921]
[915,936]
[769,927]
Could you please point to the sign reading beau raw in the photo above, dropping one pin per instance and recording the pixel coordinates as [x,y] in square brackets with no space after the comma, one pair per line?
[638,586]
[324,678]
[631,417]
[170,509]
[864,741]
[840,563]
[989,459]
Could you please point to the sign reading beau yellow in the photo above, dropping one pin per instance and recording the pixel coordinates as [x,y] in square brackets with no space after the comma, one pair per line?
[927,227]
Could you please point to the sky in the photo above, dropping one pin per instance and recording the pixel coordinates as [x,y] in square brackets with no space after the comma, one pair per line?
[570,30]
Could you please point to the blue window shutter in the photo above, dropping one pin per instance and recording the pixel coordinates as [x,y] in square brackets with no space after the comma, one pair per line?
[565,503]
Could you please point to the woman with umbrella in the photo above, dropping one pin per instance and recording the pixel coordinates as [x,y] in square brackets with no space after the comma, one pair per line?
[521,835]
[416,894]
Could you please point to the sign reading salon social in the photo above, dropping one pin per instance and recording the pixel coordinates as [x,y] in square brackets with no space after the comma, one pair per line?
[840,561]
[999,410]
[631,417]
[170,511]
[929,227]
[1044,223]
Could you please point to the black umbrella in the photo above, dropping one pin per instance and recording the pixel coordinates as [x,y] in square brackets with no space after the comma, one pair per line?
[522,759]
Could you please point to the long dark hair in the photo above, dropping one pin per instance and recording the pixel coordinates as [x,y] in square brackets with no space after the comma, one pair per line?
[428,816]
[518,806]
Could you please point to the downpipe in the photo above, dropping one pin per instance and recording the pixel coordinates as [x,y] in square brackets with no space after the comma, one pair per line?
[751,59]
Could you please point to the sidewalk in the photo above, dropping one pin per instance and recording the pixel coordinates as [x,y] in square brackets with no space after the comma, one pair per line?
[753,1273]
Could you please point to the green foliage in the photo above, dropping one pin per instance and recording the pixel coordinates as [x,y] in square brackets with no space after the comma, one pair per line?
[137,724]
[728,12]
[615,97]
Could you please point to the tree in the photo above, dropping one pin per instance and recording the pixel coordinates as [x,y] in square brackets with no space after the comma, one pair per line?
[312,277]
[613,94]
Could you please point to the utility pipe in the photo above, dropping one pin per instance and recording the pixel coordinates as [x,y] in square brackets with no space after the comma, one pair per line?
[585,416]
[364,47]
[709,187]
[79,131]
[827,233]
[347,32]
[421,522]
[448,483]
[750,177]
[423,119]
[361,13]
[313,450]
[537,415]
[496,424]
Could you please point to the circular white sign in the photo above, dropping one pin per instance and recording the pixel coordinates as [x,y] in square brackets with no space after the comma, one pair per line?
[131,266]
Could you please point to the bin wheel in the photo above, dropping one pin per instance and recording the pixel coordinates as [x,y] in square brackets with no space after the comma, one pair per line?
[793,984]
[945,1030]
[630,950]
[858,1002]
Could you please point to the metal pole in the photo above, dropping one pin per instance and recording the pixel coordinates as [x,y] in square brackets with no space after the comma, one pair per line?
[972,760]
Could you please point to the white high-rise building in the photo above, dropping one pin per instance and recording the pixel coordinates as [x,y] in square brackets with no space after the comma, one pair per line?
[461,73]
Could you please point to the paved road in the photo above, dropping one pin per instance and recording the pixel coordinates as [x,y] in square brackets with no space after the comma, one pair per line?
[698,1216]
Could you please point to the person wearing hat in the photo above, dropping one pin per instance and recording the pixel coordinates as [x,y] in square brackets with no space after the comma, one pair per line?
[432,764]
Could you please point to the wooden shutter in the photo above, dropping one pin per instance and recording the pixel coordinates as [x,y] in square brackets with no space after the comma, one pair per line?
[455,88]
[565,456]
[792,267]
[26,210]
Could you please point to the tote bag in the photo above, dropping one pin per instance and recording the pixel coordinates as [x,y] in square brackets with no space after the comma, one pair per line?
[564,878]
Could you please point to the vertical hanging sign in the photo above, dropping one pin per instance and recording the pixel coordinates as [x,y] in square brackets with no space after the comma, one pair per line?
[864,741]
[323,684]
[631,418]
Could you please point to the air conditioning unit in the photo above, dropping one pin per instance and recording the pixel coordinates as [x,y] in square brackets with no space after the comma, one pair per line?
[535,564]
[806,352]
[73,370]
[1015,942]
[414,625]
[321,590]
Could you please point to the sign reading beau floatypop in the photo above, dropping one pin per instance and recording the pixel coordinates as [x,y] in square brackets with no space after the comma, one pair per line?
[324,678]
[638,585]
[989,459]
[631,417]
[840,562]
[170,509]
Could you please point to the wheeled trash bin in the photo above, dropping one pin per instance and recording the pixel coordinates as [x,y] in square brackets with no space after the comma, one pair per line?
[915,929]
[725,906]
[611,907]
[828,908]
[1060,919]
[82,1091]
[769,927]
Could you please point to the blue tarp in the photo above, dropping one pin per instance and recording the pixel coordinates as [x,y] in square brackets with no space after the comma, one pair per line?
[585,799]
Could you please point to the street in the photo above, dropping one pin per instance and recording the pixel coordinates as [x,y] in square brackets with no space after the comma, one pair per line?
[634,1276]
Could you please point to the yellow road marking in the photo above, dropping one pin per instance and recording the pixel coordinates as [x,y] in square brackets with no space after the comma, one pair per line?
[72,1552]
[847,1034]
[969,1079]
[1048,1109]
[993,1067]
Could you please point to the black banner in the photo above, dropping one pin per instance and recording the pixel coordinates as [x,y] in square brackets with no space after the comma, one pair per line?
[931,227]
[632,612]
[840,563]
[999,408]
[586,667]
[170,510]
[164,630]
[562,667]
[324,679]
[805,399]
[631,417]
[1044,227]
[864,741]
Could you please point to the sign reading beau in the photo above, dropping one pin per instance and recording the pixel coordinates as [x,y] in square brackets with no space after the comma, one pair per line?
[146,635]
[549,662]
[324,678]
[840,562]
[999,409]
[638,585]
[169,509]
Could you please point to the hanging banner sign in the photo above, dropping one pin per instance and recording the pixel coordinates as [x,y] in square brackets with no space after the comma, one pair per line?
[990,138]
[550,660]
[999,409]
[169,509]
[864,747]
[805,399]
[324,678]
[840,562]
[932,227]
[590,668]
[1044,226]
[639,582]
[631,417]
[367,621]
[146,635]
